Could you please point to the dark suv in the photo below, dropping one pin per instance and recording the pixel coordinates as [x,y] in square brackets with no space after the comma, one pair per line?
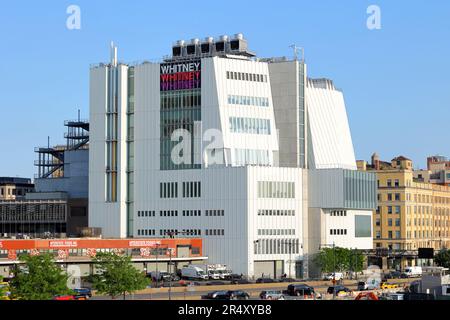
[300,290]
[337,289]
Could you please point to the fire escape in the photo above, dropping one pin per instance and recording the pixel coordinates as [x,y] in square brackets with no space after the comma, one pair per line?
[50,161]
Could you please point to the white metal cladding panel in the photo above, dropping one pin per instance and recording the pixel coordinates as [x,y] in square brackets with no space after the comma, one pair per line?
[326,188]
[348,223]
[108,216]
[221,189]
[275,222]
[330,132]
[146,133]
[210,103]
[97,107]
[227,87]
[122,151]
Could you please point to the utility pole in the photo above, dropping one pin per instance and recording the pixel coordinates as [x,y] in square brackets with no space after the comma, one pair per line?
[170,273]
[157,275]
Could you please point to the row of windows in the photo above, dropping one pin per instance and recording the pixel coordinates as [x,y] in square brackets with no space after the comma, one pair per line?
[214,213]
[276,232]
[214,232]
[192,189]
[390,235]
[33,212]
[338,213]
[440,223]
[277,246]
[181,99]
[397,222]
[168,190]
[146,213]
[248,100]
[251,157]
[250,125]
[421,198]
[14,191]
[390,209]
[389,183]
[267,212]
[338,232]
[185,213]
[192,213]
[146,232]
[276,189]
[168,213]
[389,197]
[255,77]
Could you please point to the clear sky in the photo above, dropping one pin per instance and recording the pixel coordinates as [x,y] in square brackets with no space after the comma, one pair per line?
[395,80]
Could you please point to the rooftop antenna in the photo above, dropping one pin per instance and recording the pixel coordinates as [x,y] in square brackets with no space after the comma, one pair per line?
[79,119]
[48,142]
[113,54]
[296,50]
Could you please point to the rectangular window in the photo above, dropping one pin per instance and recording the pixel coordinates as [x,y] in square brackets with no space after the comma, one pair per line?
[363,226]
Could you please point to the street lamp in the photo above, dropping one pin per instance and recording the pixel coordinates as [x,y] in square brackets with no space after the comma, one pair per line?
[255,251]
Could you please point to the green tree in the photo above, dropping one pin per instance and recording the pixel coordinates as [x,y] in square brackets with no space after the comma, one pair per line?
[339,259]
[39,279]
[115,275]
[442,258]
[3,290]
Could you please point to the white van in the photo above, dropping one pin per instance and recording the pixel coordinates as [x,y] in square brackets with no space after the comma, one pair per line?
[413,272]
[192,272]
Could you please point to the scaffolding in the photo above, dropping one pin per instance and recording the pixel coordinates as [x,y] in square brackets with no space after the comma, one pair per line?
[50,163]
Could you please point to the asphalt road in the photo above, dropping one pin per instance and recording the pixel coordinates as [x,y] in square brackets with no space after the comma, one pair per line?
[196,292]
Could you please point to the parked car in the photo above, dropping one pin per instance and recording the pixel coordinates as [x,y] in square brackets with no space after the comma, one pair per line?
[288,280]
[395,275]
[240,281]
[300,290]
[235,276]
[215,283]
[163,276]
[385,285]
[227,295]
[334,275]
[362,286]
[83,292]
[338,289]
[271,295]
[265,280]
[213,274]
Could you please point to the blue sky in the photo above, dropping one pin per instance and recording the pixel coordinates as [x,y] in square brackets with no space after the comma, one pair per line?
[395,80]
